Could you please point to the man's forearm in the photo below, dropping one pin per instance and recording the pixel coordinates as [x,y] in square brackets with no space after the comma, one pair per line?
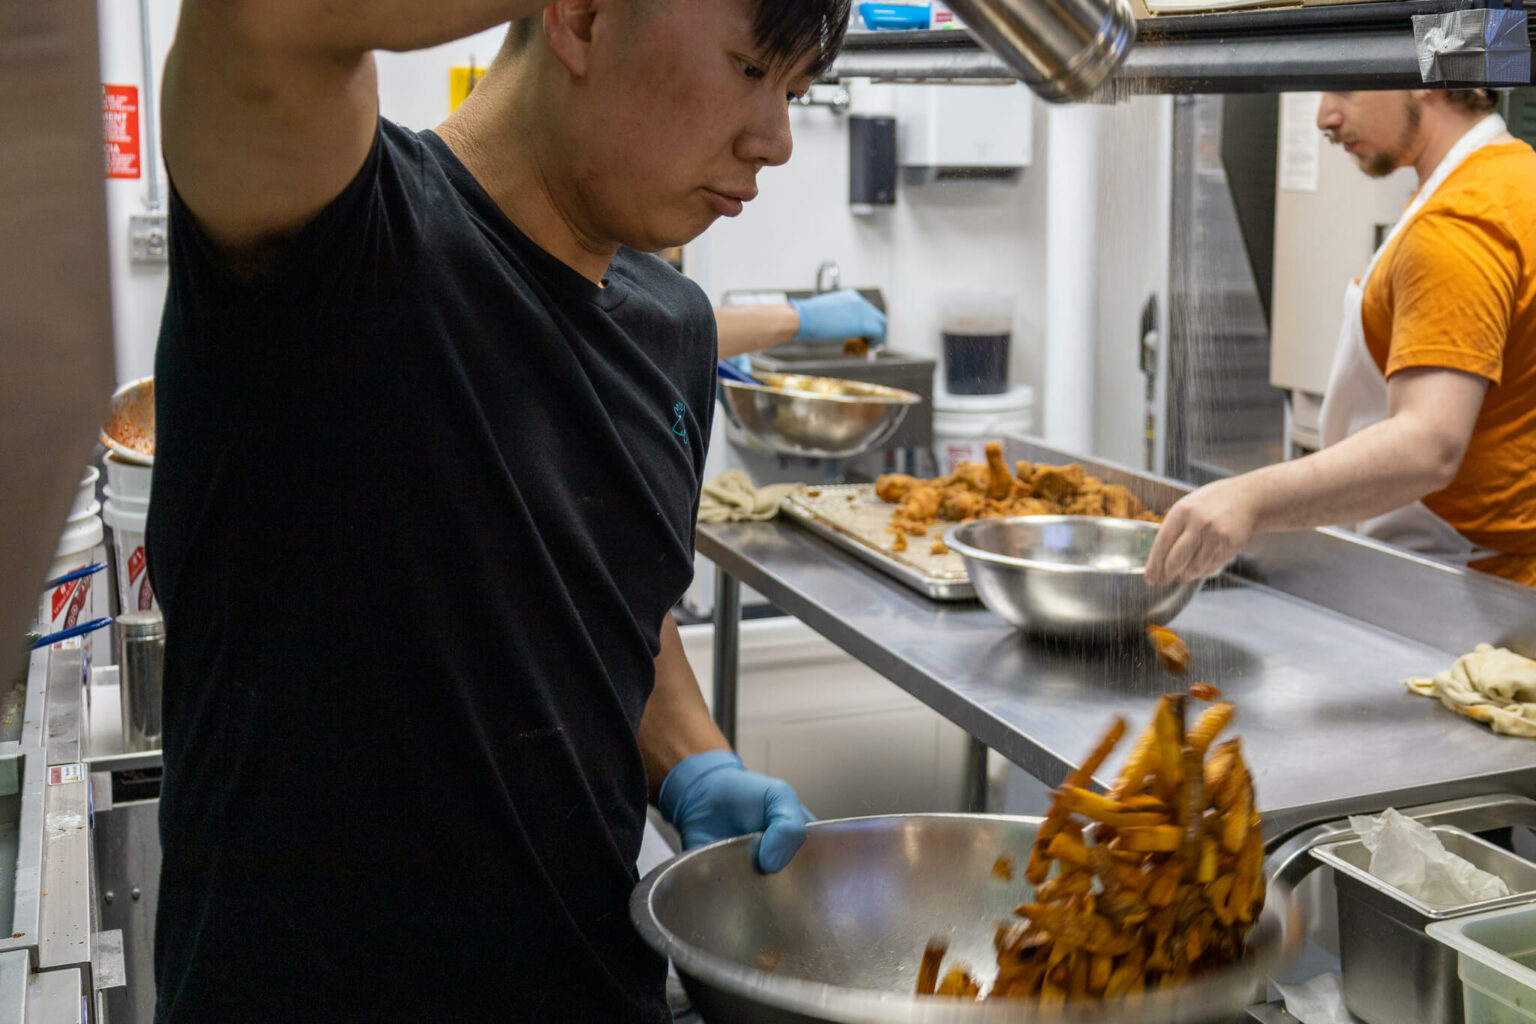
[750,328]
[357,26]
[1385,466]
[676,723]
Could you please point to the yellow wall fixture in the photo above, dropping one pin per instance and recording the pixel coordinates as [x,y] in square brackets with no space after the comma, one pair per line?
[461,80]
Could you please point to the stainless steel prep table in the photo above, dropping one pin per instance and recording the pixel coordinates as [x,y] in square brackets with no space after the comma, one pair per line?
[1311,635]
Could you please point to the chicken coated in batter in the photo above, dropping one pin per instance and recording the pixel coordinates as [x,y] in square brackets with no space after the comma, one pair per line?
[989,490]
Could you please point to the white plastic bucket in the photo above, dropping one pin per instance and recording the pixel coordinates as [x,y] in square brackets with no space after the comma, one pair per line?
[137,506]
[133,590]
[70,604]
[85,503]
[126,480]
[963,424]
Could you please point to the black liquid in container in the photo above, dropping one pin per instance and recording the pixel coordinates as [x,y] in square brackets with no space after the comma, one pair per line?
[976,364]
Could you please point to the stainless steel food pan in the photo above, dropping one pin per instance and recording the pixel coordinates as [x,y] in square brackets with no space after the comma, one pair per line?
[1393,971]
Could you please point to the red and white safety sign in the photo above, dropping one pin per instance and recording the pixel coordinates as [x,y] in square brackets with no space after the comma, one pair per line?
[120,127]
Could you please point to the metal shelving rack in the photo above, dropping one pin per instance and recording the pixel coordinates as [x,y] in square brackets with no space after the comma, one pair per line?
[1342,47]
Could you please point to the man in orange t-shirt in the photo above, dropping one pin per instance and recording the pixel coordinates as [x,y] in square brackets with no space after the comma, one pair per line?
[1429,424]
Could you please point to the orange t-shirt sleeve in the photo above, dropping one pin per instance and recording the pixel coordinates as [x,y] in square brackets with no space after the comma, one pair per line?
[1453,291]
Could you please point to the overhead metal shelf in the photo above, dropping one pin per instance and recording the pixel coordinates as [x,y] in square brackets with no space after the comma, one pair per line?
[1343,47]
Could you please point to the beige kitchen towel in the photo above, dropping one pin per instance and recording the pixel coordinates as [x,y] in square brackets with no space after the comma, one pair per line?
[730,497]
[1492,684]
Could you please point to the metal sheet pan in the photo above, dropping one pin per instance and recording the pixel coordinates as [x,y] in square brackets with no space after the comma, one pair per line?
[851,517]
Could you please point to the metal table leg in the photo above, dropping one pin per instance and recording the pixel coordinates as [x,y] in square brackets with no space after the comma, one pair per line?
[727,651]
[975,776]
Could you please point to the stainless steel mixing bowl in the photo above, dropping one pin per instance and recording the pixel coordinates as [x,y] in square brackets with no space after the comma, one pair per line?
[838,934]
[1067,575]
[815,417]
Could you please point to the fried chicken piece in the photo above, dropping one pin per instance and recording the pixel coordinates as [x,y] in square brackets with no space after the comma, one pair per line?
[978,490]
[899,542]
[961,504]
[1086,504]
[922,503]
[1120,502]
[999,480]
[894,487]
[971,475]
[938,548]
[1058,483]
[1033,507]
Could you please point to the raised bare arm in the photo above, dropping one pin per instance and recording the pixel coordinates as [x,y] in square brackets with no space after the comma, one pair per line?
[270,105]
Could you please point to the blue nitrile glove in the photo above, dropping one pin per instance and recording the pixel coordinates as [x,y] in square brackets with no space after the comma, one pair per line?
[711,796]
[836,316]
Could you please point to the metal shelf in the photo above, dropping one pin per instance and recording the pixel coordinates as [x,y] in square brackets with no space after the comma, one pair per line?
[1349,46]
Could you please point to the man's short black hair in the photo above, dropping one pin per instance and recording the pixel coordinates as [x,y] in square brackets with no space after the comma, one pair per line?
[787,31]
[790,30]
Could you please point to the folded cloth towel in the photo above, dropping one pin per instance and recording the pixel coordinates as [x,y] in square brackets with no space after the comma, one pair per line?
[1492,684]
[730,497]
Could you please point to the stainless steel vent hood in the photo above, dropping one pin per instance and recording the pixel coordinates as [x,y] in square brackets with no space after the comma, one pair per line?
[1347,46]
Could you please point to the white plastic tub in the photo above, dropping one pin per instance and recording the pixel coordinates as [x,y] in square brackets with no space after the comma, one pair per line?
[127,480]
[963,424]
[134,592]
[1496,961]
[85,503]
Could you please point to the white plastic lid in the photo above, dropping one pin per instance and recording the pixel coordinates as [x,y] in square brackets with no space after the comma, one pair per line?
[1016,399]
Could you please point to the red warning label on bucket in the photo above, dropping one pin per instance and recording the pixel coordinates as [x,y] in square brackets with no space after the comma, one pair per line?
[120,127]
[61,597]
[59,774]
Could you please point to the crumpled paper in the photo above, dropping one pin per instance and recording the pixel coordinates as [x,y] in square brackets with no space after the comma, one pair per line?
[1319,1000]
[1407,855]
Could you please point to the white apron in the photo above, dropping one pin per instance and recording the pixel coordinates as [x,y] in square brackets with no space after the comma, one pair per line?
[1357,391]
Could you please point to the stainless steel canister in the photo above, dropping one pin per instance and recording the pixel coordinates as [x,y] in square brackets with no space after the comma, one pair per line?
[1064,49]
[141,661]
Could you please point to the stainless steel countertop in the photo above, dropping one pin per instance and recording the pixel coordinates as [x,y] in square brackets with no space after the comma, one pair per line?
[1327,726]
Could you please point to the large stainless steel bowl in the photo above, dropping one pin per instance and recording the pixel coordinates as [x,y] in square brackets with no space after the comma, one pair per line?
[838,934]
[815,417]
[1067,575]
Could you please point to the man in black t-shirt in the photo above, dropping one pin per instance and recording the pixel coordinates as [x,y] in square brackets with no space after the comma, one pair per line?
[430,434]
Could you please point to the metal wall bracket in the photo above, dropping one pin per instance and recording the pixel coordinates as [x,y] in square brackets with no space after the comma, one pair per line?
[833,96]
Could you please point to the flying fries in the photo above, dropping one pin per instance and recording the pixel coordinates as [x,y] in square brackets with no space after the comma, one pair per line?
[1143,887]
[1170,649]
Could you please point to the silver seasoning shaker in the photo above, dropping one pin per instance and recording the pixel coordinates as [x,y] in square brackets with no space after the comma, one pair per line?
[141,660]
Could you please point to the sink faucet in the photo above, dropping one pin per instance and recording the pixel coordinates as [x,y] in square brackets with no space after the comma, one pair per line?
[828,277]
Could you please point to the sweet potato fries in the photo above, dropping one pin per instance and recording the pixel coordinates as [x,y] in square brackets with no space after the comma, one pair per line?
[1143,887]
